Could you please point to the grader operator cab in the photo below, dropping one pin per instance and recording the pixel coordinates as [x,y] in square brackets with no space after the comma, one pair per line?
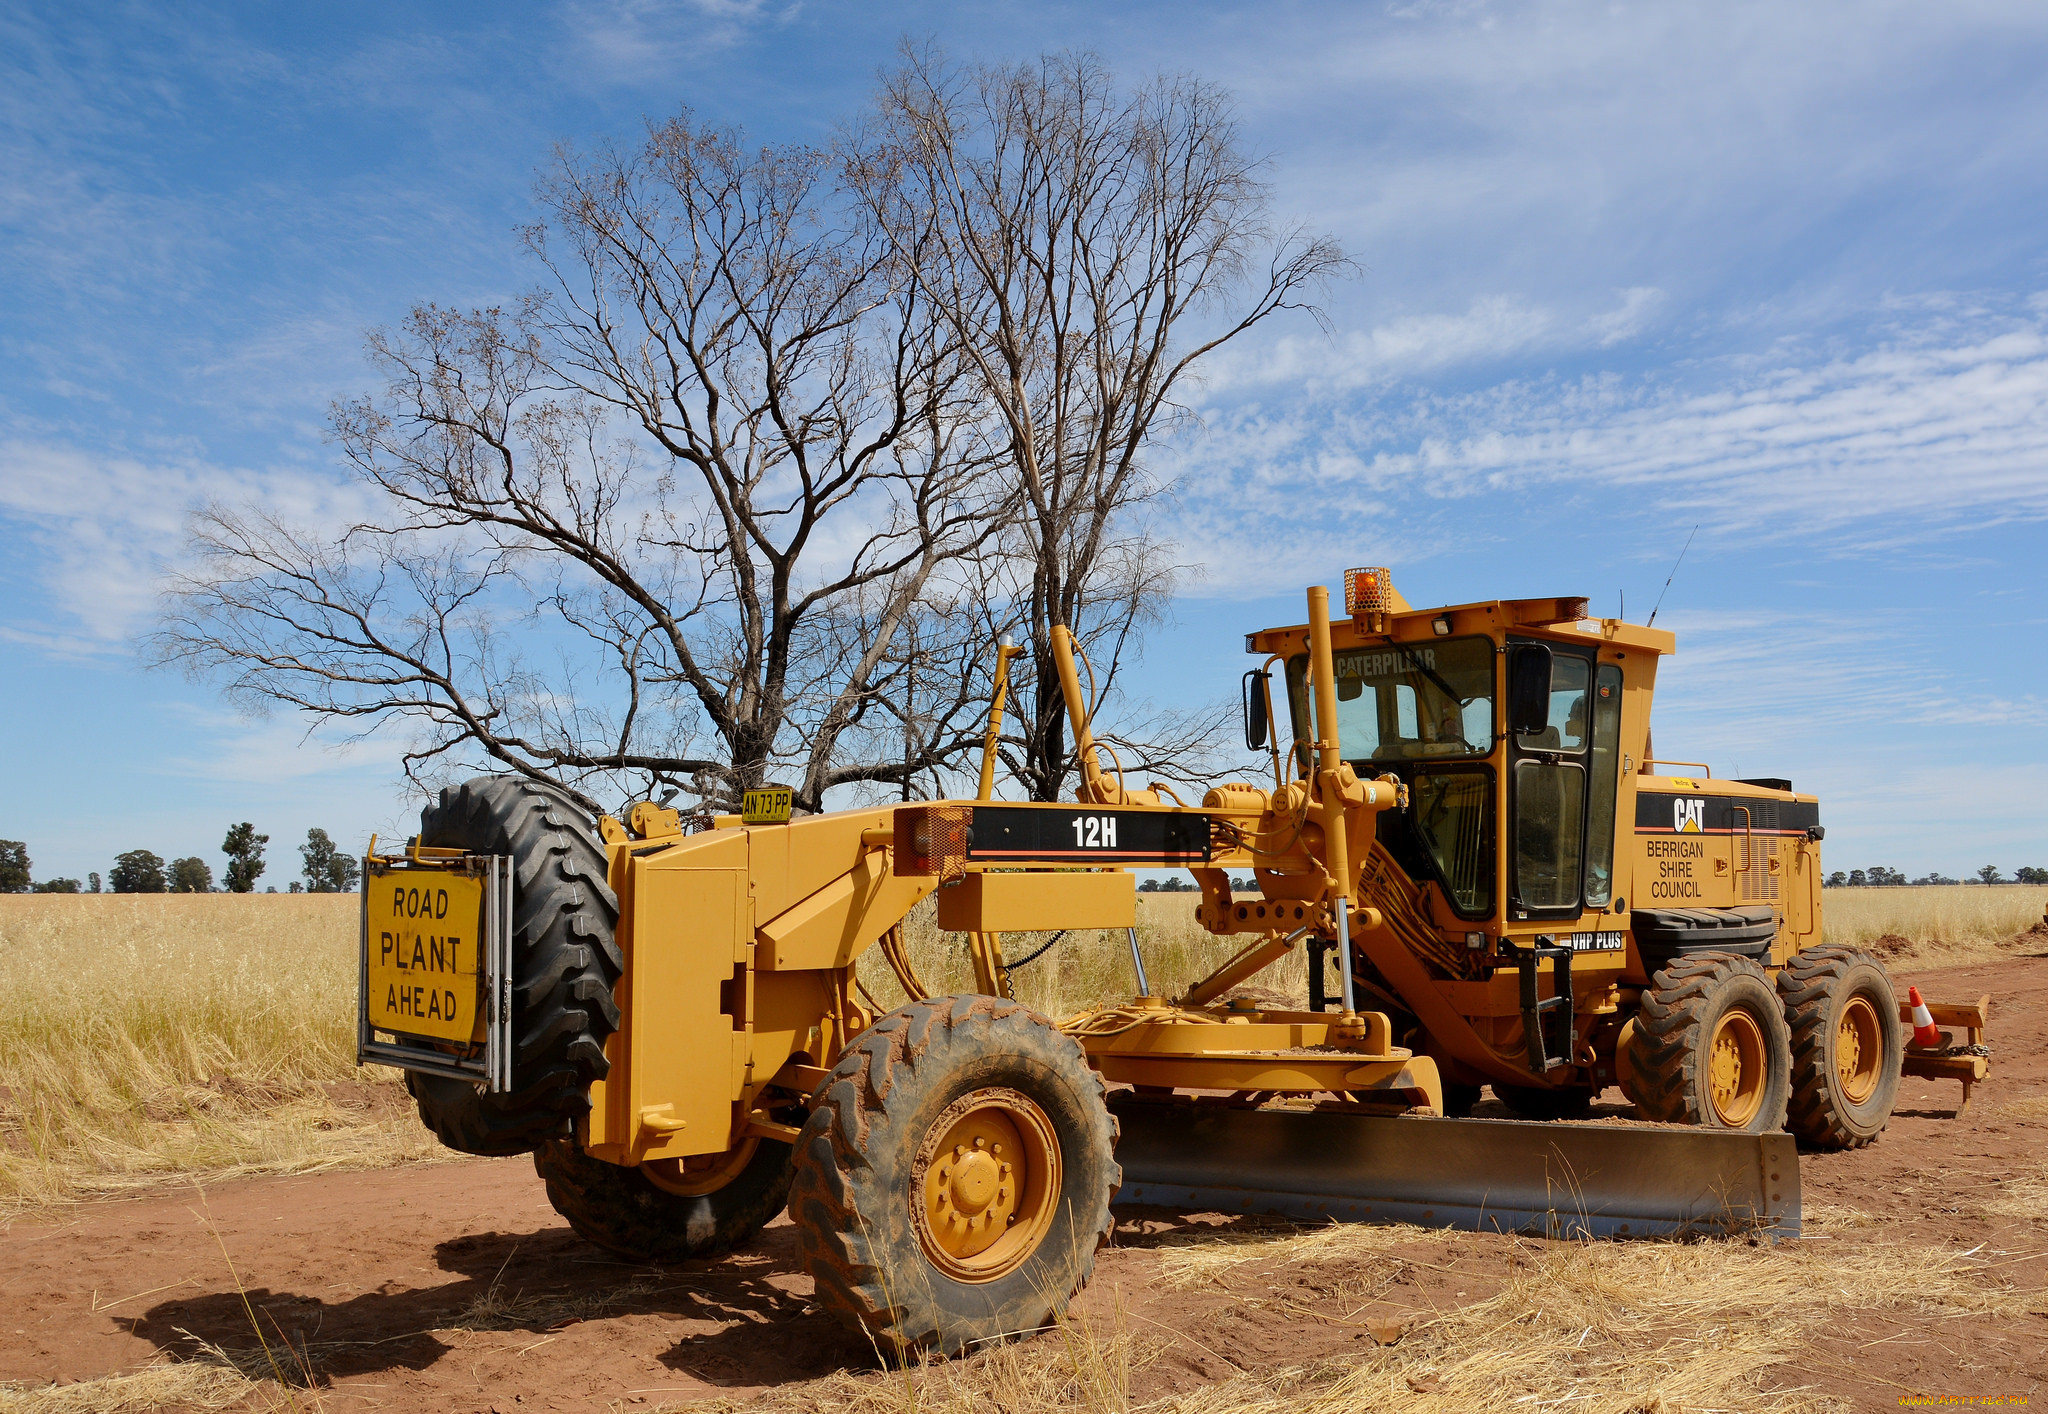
[1466,822]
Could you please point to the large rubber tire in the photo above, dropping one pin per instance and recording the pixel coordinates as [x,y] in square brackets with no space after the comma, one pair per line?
[860,1192]
[1840,1006]
[1684,1012]
[1535,1102]
[624,1210]
[565,961]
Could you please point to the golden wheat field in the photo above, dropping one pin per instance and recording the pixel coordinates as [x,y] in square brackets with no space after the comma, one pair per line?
[144,1039]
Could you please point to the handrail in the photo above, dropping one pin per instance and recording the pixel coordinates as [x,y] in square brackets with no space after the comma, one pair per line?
[992,741]
[1649,761]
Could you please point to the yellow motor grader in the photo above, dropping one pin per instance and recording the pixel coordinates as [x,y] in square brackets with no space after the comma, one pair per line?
[1465,821]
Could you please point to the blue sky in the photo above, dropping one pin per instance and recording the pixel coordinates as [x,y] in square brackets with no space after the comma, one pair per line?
[1776,271]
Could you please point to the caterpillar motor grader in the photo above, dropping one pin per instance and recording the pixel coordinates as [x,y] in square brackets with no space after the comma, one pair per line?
[1466,822]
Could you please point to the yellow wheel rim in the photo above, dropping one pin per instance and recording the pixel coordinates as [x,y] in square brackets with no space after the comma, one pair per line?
[1735,1069]
[1859,1050]
[697,1175]
[985,1184]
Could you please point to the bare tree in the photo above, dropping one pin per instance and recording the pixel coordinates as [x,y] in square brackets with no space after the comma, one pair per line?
[1087,247]
[671,521]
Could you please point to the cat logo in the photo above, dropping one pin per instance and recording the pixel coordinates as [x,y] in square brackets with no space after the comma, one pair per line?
[1688,816]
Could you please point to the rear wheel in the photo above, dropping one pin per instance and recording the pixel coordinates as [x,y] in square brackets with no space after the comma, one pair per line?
[565,961]
[667,1210]
[1711,1046]
[953,1181]
[1847,1046]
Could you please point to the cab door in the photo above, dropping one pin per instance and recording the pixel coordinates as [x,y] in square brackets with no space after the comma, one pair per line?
[1550,787]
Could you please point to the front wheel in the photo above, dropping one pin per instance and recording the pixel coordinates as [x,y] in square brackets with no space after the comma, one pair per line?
[1711,1046]
[953,1182]
[667,1210]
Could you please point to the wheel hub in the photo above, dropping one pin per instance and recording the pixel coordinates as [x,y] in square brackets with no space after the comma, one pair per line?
[986,1183]
[1859,1050]
[971,1180]
[1735,1069]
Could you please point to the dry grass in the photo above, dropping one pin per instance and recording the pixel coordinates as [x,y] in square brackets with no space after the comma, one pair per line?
[1085,968]
[1612,1328]
[1203,1259]
[157,1037]
[146,1039]
[2024,1196]
[182,1384]
[1080,1364]
[151,1038]
[1936,925]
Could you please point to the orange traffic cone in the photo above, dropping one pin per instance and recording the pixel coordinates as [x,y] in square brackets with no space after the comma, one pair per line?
[1925,1033]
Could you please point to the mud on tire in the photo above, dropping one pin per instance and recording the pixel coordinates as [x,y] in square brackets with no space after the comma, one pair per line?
[1697,1001]
[1847,1046]
[565,961]
[627,1211]
[870,1159]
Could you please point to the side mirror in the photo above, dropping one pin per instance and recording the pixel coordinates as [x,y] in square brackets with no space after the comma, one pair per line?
[1255,724]
[1528,688]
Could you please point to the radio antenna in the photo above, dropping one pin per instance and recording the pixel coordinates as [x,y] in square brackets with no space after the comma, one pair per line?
[1668,578]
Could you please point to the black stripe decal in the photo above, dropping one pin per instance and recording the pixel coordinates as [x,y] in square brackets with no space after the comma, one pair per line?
[1089,835]
[1702,813]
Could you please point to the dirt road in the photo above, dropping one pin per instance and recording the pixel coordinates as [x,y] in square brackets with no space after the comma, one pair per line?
[456,1287]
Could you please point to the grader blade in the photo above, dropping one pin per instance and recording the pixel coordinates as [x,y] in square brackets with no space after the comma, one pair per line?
[1485,1175]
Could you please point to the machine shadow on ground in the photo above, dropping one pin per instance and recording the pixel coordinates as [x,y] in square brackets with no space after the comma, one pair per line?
[533,1283]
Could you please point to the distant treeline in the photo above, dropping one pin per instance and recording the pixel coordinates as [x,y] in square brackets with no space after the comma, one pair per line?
[1882,877]
[325,870]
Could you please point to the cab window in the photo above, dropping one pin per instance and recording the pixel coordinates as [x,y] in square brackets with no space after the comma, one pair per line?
[1563,776]
[1452,812]
[1606,779]
[1568,726]
[1550,805]
[1406,702]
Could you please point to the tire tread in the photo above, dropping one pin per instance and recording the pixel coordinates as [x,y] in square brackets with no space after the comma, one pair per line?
[565,962]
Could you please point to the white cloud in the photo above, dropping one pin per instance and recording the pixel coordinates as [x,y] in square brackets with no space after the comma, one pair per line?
[1492,329]
[227,748]
[1940,428]
[627,41]
[106,528]
[1562,147]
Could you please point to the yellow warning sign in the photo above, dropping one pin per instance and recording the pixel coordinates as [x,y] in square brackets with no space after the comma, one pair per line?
[423,936]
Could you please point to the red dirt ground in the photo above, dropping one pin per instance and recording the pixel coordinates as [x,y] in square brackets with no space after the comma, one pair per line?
[371,1271]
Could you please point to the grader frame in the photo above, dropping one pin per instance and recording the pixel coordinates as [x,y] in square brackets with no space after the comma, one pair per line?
[735,1018]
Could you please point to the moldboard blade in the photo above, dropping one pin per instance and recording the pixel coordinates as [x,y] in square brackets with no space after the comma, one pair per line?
[1482,1175]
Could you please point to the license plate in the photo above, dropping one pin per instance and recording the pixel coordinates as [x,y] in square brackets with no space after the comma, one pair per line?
[423,940]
